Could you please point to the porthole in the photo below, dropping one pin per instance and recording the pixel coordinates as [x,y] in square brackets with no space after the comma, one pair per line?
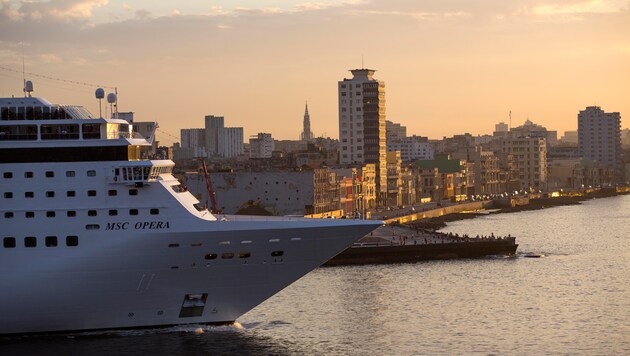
[91,193]
[71,213]
[50,194]
[30,241]
[210,256]
[92,213]
[72,241]
[91,173]
[227,255]
[113,212]
[8,242]
[155,211]
[133,191]
[173,245]
[92,227]
[8,195]
[29,214]
[70,193]
[112,192]
[51,241]
[8,175]
[50,174]
[8,215]
[277,253]
[244,255]
[50,214]
[70,174]
[133,211]
[28,174]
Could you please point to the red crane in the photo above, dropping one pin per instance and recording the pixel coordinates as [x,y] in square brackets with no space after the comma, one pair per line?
[213,201]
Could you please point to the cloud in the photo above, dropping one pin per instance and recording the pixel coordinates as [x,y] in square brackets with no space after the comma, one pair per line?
[60,10]
[420,16]
[583,7]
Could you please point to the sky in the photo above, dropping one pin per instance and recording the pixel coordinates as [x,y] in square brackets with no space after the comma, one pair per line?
[449,66]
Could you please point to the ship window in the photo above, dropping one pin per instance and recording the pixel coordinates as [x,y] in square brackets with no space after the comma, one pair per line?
[51,241]
[28,174]
[210,256]
[91,173]
[227,255]
[244,255]
[133,211]
[92,226]
[60,132]
[92,213]
[8,175]
[9,242]
[29,194]
[113,212]
[8,215]
[277,253]
[91,131]
[50,194]
[133,191]
[91,193]
[8,195]
[112,192]
[29,214]
[173,245]
[70,173]
[72,241]
[50,214]
[70,193]
[50,174]
[155,211]
[30,241]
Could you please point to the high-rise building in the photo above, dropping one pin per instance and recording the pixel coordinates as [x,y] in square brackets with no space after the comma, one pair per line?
[307,134]
[213,124]
[230,141]
[394,131]
[501,127]
[193,143]
[362,133]
[412,148]
[599,137]
[530,156]
[261,146]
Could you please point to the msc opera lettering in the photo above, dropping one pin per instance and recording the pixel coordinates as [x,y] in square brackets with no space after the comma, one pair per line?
[140,225]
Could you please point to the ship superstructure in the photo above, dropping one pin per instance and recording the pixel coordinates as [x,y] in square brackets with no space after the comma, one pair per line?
[98,235]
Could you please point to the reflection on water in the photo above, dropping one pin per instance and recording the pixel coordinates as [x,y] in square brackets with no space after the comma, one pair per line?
[574,300]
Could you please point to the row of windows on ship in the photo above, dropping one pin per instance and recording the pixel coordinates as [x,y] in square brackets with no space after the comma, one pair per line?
[124,173]
[31,241]
[69,193]
[34,113]
[73,213]
[60,132]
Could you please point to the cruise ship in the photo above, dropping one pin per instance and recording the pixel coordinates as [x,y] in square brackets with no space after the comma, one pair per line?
[98,235]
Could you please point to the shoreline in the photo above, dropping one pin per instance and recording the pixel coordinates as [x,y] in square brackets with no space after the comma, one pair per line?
[436,223]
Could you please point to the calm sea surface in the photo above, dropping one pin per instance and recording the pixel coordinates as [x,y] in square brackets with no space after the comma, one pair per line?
[575,300]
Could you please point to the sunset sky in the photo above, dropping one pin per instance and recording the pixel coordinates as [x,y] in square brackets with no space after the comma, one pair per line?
[450,67]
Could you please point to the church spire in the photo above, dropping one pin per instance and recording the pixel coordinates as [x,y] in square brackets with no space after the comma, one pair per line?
[307,135]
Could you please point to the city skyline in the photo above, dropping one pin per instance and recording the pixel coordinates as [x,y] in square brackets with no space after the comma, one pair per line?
[449,67]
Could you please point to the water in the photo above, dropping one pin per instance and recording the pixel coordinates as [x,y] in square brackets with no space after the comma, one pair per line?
[575,300]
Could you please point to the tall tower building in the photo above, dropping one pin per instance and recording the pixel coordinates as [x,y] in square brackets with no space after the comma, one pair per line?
[362,133]
[212,125]
[599,137]
[307,134]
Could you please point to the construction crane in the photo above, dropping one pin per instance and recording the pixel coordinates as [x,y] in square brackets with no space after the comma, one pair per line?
[213,201]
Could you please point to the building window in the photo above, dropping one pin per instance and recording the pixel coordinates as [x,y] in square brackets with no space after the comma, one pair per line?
[51,241]
[8,242]
[30,241]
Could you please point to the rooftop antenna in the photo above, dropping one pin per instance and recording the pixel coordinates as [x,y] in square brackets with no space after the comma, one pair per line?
[100,94]
[23,71]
